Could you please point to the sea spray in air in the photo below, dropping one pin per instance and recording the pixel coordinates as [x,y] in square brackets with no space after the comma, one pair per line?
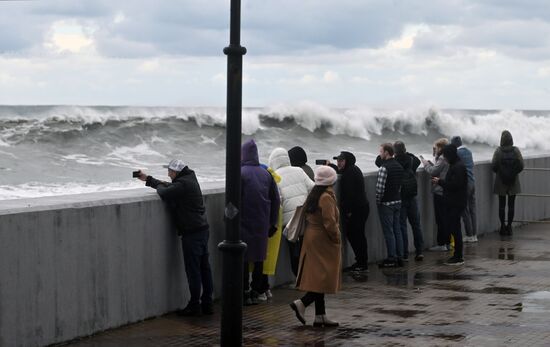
[47,150]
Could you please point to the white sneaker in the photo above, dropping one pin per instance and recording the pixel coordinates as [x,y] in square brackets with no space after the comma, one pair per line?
[268,294]
[262,297]
[474,238]
[442,248]
[467,239]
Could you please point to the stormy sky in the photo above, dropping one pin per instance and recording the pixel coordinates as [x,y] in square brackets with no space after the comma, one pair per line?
[376,53]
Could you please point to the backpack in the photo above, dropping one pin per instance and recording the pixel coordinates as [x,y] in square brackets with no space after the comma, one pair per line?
[409,187]
[508,167]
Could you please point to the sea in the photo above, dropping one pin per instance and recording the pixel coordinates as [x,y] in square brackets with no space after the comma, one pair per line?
[58,150]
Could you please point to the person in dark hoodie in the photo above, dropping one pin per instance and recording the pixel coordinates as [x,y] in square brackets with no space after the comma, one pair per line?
[409,204]
[298,157]
[455,195]
[260,204]
[184,200]
[507,163]
[354,208]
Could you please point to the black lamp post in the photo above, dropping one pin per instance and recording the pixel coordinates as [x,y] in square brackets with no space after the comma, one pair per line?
[232,247]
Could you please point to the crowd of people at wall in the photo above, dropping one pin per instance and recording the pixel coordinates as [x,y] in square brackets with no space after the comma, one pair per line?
[273,196]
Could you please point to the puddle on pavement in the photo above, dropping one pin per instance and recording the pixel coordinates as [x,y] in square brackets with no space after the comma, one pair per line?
[487,290]
[421,278]
[400,313]
[450,337]
[452,298]
[536,302]
[498,290]
[506,253]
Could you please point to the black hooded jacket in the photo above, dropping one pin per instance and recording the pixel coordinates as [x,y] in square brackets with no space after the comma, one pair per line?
[455,183]
[298,157]
[184,199]
[409,162]
[353,198]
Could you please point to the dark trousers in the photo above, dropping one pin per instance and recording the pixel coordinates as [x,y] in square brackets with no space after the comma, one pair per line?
[452,222]
[294,249]
[259,282]
[502,208]
[354,229]
[469,216]
[197,267]
[391,227]
[409,211]
[318,298]
[443,237]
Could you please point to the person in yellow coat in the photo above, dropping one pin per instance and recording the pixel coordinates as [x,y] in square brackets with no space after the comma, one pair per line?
[273,245]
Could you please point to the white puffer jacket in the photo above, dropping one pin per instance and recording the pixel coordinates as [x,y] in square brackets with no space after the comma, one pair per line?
[294,186]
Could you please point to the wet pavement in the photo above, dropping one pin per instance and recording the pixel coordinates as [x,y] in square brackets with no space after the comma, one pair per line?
[501,296]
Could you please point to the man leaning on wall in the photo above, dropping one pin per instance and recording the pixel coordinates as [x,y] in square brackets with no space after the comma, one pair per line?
[183,197]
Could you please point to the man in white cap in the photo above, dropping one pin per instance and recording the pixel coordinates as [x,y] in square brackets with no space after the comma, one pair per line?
[184,199]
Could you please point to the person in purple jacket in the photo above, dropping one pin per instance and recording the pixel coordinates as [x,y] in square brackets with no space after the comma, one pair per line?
[259,212]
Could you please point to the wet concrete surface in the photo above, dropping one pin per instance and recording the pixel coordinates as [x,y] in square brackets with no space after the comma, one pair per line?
[501,296]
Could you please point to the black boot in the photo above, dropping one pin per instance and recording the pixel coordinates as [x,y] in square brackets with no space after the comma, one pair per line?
[509,230]
[503,230]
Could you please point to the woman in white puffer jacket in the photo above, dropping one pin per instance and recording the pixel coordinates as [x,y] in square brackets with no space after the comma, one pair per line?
[294,188]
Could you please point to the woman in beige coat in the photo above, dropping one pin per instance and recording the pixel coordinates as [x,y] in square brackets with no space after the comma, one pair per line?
[319,271]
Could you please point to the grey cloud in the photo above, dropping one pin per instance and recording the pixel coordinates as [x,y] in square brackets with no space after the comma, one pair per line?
[284,27]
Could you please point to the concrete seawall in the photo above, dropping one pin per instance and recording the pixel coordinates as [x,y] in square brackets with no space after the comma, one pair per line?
[74,265]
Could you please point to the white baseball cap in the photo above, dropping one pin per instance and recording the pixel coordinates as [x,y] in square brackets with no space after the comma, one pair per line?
[175,165]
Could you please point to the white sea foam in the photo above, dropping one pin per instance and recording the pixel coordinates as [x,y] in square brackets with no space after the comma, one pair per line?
[529,131]
[83,159]
[40,189]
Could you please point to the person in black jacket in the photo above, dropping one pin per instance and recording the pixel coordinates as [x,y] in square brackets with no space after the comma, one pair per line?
[388,200]
[455,196]
[184,200]
[409,204]
[354,208]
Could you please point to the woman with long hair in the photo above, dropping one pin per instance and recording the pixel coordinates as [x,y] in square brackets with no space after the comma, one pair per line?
[319,270]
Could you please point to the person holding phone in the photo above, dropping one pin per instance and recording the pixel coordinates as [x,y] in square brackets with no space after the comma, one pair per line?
[183,197]
[439,169]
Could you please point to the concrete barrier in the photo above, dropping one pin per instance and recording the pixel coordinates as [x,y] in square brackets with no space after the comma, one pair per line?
[71,266]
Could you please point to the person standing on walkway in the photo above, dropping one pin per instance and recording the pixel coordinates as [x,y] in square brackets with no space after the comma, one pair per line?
[409,203]
[469,216]
[259,212]
[455,192]
[294,187]
[184,200]
[320,259]
[298,157]
[354,207]
[388,200]
[507,163]
[438,169]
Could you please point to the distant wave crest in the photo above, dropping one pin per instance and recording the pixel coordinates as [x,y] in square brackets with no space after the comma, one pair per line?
[46,123]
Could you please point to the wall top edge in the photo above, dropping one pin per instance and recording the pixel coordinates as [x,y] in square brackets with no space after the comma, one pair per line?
[127,196]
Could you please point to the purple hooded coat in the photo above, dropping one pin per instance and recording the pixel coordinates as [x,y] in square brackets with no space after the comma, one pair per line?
[259,203]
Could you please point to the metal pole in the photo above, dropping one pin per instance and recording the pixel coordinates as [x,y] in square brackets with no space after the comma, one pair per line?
[232,247]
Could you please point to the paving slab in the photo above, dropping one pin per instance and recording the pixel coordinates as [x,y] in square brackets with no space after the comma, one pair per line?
[500,297]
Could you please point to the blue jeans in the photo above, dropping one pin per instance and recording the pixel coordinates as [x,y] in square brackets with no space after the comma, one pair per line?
[197,267]
[409,210]
[391,227]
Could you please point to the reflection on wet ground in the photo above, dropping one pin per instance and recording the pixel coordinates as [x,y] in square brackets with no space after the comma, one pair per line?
[500,297]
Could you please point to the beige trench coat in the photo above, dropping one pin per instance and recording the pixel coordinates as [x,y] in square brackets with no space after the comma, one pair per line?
[321,258]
